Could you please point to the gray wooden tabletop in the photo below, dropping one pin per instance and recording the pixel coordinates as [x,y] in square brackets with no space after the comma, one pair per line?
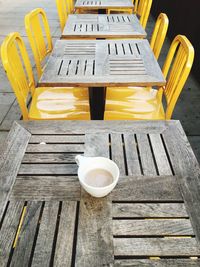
[96,63]
[152,218]
[103,26]
[103,4]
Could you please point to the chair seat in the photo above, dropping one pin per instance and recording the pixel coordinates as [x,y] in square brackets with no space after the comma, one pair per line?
[120,93]
[70,93]
[150,108]
[58,103]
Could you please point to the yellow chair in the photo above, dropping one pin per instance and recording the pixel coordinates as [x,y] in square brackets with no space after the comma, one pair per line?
[63,8]
[159,34]
[141,8]
[38,32]
[156,43]
[176,70]
[47,103]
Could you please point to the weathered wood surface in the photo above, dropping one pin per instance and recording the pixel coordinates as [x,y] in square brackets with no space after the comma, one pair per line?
[22,252]
[158,263]
[103,26]
[152,212]
[64,244]
[154,227]
[46,188]
[94,240]
[43,247]
[168,246]
[100,63]
[9,229]
[80,127]
[149,210]
[10,160]
[147,188]
[103,4]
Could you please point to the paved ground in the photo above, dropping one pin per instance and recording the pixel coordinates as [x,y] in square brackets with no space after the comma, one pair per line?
[12,19]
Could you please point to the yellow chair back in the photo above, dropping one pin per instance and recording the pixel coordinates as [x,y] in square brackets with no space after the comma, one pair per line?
[18,68]
[63,9]
[70,6]
[159,34]
[176,70]
[143,10]
[38,32]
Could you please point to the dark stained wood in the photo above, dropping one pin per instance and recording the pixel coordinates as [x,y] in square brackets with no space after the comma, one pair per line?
[44,244]
[9,229]
[94,243]
[103,26]
[64,244]
[46,188]
[156,246]
[10,159]
[147,188]
[102,63]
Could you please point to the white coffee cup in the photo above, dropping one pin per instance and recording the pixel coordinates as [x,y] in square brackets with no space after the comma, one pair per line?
[87,164]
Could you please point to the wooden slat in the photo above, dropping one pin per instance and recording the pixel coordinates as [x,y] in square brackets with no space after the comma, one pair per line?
[117,152]
[148,166]
[10,159]
[80,127]
[48,169]
[57,139]
[22,252]
[160,155]
[154,227]
[46,188]
[94,242]
[9,229]
[44,243]
[49,158]
[55,148]
[156,247]
[157,263]
[149,210]
[132,154]
[64,243]
[147,188]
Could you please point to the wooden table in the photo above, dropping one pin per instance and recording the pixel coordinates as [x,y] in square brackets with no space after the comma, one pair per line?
[154,211]
[103,26]
[103,5]
[100,63]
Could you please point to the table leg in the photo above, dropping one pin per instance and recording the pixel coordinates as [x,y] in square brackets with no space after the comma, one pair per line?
[101,11]
[97,98]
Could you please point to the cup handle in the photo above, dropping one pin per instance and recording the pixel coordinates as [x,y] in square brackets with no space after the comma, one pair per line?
[80,159]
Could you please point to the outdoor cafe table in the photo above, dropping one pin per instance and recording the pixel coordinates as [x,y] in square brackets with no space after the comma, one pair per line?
[103,5]
[154,211]
[103,26]
[100,63]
